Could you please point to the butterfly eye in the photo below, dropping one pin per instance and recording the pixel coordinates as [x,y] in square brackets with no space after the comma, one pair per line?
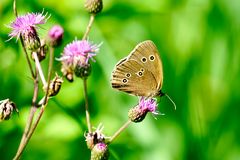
[151,58]
[124,80]
[142,70]
[144,59]
[128,75]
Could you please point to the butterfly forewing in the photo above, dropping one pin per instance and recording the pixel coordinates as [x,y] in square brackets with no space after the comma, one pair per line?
[147,54]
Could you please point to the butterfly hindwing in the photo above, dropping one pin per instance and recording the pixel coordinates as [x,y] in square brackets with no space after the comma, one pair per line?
[131,77]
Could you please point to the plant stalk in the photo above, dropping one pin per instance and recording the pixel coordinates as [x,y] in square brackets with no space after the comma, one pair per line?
[86,106]
[116,134]
[89,26]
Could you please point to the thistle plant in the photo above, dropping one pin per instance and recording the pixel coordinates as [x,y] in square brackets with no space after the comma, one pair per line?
[75,59]
[24,28]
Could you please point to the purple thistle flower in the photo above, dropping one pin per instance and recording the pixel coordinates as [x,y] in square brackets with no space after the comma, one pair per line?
[78,52]
[55,35]
[55,32]
[139,112]
[149,105]
[75,58]
[101,146]
[23,24]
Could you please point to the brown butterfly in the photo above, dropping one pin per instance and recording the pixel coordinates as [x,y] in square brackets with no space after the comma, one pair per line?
[141,72]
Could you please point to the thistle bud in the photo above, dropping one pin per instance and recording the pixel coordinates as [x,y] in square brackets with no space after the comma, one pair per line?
[136,114]
[93,6]
[55,35]
[139,112]
[6,109]
[54,86]
[100,152]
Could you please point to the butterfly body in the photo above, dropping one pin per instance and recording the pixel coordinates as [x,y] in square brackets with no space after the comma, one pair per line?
[140,73]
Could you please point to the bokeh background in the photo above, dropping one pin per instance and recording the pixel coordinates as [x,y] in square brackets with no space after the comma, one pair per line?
[199,44]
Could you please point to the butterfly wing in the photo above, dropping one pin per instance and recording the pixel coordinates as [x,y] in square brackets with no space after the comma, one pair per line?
[147,54]
[132,77]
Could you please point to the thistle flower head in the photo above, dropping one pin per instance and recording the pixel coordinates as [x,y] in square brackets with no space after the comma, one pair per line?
[78,52]
[149,105]
[24,24]
[76,56]
[139,112]
[55,35]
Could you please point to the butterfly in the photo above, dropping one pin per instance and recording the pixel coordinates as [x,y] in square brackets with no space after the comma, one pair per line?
[141,72]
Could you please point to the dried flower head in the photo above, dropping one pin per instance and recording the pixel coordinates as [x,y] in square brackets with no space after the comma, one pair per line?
[138,113]
[67,72]
[76,55]
[26,26]
[6,109]
[54,86]
[55,35]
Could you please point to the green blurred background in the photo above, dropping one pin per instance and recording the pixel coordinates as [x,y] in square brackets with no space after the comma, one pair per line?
[199,45]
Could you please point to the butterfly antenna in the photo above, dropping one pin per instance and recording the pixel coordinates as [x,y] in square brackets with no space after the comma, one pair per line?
[175,107]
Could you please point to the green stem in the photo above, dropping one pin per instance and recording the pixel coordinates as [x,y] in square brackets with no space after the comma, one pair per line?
[89,26]
[86,106]
[15,8]
[85,80]
[29,135]
[29,127]
[24,136]
[35,123]
[116,134]
[50,64]
[23,143]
